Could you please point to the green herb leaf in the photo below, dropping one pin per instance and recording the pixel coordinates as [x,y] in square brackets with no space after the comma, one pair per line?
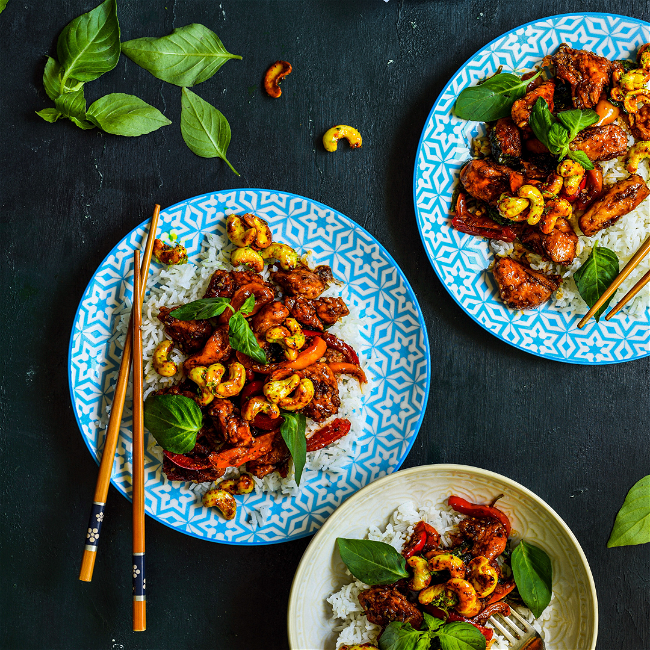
[174,421]
[558,138]
[49,114]
[460,636]
[577,119]
[201,309]
[293,433]
[533,574]
[186,57]
[632,525]
[89,46]
[242,339]
[595,275]
[205,130]
[402,636]
[374,563]
[541,120]
[248,306]
[52,80]
[73,106]
[582,158]
[127,115]
[492,99]
[432,622]
[3,4]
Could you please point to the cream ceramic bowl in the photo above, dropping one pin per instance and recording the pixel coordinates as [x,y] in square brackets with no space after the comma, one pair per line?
[574,624]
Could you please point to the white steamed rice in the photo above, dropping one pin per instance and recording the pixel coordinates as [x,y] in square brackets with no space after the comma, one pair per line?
[348,618]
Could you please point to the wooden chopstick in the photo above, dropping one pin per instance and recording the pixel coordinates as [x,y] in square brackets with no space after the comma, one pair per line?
[137,463]
[629,295]
[112,433]
[620,278]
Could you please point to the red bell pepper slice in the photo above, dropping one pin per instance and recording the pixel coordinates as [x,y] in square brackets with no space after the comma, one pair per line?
[336,344]
[424,538]
[328,434]
[251,389]
[187,463]
[265,423]
[479,226]
[480,512]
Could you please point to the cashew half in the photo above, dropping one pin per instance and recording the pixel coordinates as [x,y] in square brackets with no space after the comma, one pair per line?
[451,563]
[303,394]
[263,236]
[237,233]
[287,257]
[281,388]
[511,207]
[333,135]
[572,172]
[555,208]
[482,576]
[164,254]
[257,405]
[235,383]
[636,154]
[274,75]
[468,602]
[249,257]
[421,574]
[289,336]
[222,500]
[161,363]
[197,375]
[536,200]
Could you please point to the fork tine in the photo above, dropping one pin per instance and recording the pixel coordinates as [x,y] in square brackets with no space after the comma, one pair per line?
[527,626]
[502,629]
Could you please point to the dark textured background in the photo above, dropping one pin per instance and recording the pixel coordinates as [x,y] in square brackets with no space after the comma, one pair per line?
[576,436]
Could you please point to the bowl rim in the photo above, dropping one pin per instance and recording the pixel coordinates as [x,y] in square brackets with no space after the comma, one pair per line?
[333,518]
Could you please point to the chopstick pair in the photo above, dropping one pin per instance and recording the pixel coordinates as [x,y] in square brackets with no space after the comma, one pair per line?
[620,278]
[133,339]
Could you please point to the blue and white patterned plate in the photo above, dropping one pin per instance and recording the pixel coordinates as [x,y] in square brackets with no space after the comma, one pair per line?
[394,336]
[461,260]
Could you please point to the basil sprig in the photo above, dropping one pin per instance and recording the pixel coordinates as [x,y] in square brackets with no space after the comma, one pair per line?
[557,135]
[449,636]
[595,275]
[201,309]
[3,4]
[632,525]
[174,421]
[533,574]
[127,115]
[493,99]
[293,434]
[374,563]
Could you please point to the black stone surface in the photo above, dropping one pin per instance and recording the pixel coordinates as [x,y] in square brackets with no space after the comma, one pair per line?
[576,436]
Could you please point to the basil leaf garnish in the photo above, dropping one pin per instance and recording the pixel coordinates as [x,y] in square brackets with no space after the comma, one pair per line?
[595,275]
[293,433]
[402,636]
[205,130]
[174,421]
[201,309]
[186,57]
[242,339]
[374,563]
[248,306]
[460,636]
[577,119]
[432,622]
[52,80]
[582,158]
[540,121]
[533,574]
[491,100]
[49,114]
[632,525]
[73,106]
[89,46]
[3,4]
[128,115]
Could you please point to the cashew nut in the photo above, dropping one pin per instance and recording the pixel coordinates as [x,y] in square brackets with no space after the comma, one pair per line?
[634,98]
[437,595]
[468,602]
[263,236]
[482,576]
[281,388]
[303,394]
[511,207]
[536,208]
[636,154]
[164,254]
[555,208]
[553,186]
[289,336]
[161,363]
[222,500]
[237,233]
[331,137]
[242,485]
[249,257]
[257,405]
[274,74]
[287,257]
[572,173]
[235,383]
[633,80]
[197,375]
[421,574]
[451,563]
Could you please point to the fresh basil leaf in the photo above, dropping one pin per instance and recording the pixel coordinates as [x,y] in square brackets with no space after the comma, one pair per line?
[533,574]
[186,57]
[374,563]
[242,339]
[127,115]
[558,138]
[595,275]
[582,158]
[541,120]
[52,80]
[201,309]
[89,46]
[3,4]
[73,106]
[632,525]
[577,119]
[401,636]
[49,114]
[248,306]
[491,100]
[205,130]
[174,421]
[293,433]
[432,622]
[459,636]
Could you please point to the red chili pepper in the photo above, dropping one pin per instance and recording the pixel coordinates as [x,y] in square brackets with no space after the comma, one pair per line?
[501,591]
[188,463]
[479,226]
[592,190]
[250,390]
[480,512]
[336,344]
[308,356]
[328,434]
[264,422]
[485,631]
[415,544]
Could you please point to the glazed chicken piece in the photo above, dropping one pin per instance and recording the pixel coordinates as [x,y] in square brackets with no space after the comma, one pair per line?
[587,73]
[601,142]
[486,180]
[617,201]
[559,246]
[221,285]
[189,335]
[234,430]
[522,108]
[520,287]
[385,604]
[269,316]
[268,463]
[216,348]
[326,400]
[489,537]
[300,281]
[313,313]
[505,141]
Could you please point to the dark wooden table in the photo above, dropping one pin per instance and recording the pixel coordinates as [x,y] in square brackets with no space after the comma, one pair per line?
[575,435]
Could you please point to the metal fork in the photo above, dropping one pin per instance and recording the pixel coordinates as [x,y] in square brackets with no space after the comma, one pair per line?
[526,639]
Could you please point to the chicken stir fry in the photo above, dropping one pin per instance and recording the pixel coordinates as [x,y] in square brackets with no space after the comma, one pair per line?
[542,191]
